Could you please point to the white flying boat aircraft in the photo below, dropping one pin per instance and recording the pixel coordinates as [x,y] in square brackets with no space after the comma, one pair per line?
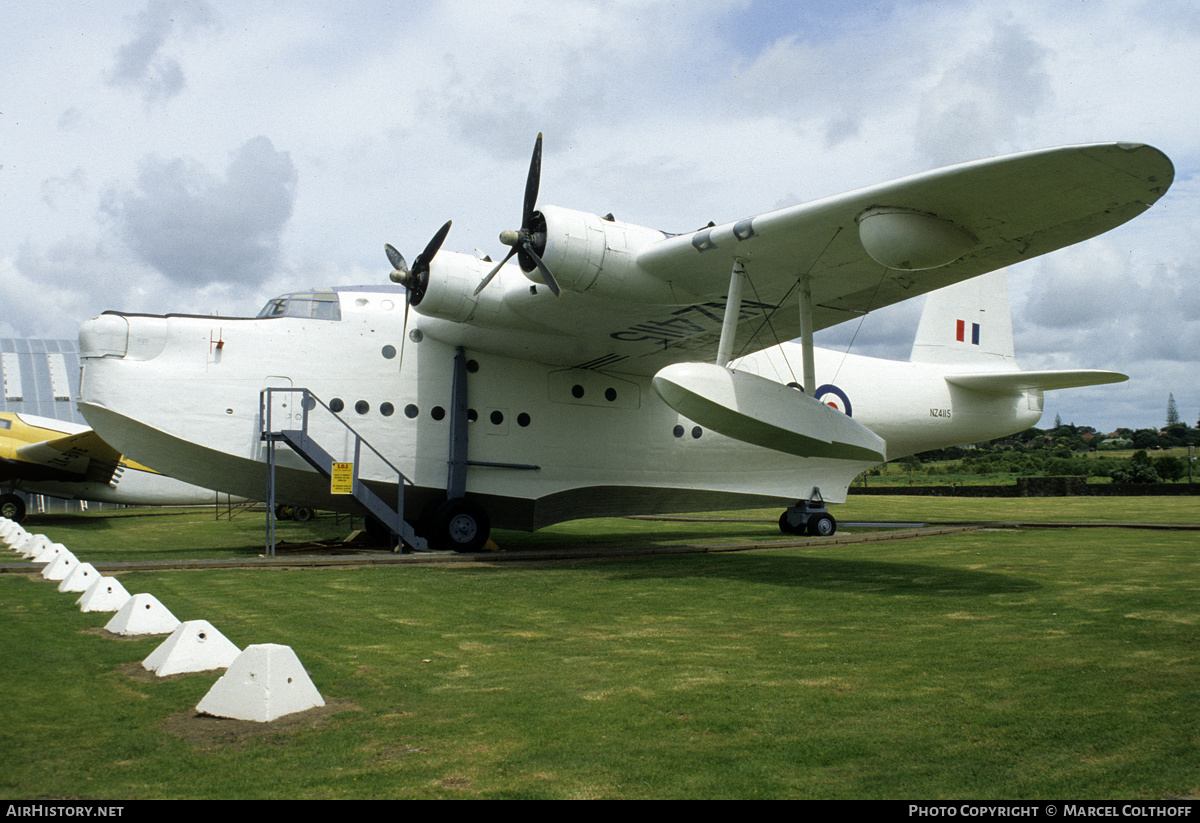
[616,369]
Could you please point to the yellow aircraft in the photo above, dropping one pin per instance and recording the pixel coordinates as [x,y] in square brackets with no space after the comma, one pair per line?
[39,455]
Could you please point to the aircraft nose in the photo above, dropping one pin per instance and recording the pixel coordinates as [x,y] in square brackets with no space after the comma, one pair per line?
[104,336]
[119,336]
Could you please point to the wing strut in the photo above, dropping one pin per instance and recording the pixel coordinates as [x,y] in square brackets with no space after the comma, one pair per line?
[806,336]
[733,310]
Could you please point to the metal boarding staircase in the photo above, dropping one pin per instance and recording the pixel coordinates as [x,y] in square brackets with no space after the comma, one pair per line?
[302,442]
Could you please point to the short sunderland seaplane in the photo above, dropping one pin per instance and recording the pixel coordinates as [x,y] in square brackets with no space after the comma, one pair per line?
[614,369]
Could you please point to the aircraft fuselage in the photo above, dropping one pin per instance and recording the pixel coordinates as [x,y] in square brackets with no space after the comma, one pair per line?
[547,442]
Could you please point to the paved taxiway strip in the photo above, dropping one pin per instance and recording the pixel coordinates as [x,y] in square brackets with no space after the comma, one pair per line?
[380,558]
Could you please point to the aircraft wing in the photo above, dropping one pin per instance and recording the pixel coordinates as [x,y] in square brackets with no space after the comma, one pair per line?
[1046,380]
[80,457]
[935,229]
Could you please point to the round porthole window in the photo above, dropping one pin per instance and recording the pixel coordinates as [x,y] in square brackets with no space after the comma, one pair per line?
[336,405]
[362,407]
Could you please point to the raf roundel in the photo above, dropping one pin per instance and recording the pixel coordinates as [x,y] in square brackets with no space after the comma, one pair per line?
[831,395]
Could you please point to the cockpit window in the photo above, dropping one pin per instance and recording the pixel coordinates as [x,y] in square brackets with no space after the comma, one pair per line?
[274,308]
[316,305]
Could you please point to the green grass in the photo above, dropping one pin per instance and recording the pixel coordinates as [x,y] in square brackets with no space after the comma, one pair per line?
[998,664]
[1178,510]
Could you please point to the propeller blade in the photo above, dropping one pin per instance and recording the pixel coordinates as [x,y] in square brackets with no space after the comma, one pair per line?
[426,257]
[404,330]
[532,183]
[546,275]
[493,272]
[395,258]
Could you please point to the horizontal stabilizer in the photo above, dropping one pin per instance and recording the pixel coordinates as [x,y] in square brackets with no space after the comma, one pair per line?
[1045,380]
[765,413]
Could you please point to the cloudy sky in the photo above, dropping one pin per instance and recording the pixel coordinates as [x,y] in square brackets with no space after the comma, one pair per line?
[203,156]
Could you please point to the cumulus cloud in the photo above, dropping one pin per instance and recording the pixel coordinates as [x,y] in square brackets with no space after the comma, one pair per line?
[196,227]
[978,103]
[562,68]
[142,64]
[48,291]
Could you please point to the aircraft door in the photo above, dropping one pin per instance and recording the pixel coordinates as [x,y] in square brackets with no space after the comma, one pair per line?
[283,410]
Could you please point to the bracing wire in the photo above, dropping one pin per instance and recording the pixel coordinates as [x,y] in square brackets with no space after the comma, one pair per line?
[858,328]
[784,300]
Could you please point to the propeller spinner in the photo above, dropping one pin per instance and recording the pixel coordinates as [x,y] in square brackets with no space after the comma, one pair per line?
[523,241]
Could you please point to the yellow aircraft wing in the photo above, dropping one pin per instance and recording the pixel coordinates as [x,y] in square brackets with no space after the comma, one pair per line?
[29,451]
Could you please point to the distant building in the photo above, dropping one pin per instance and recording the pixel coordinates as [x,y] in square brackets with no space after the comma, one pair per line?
[41,377]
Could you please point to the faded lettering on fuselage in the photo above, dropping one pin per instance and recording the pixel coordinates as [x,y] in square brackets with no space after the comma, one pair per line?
[701,318]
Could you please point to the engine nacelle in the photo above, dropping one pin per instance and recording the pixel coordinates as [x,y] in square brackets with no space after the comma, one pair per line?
[584,252]
[588,253]
[448,290]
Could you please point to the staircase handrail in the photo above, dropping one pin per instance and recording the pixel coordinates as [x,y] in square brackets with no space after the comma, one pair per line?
[264,400]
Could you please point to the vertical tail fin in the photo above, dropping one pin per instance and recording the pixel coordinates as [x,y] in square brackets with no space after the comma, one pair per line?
[969,323]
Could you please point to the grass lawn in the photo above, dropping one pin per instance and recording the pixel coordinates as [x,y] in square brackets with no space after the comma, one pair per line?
[997,664]
[1178,510]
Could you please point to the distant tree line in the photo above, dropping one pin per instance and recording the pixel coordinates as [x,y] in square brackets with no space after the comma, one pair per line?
[1066,449]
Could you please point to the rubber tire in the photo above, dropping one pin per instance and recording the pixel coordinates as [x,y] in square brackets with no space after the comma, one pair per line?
[12,507]
[786,527]
[460,525]
[303,514]
[283,512]
[822,525]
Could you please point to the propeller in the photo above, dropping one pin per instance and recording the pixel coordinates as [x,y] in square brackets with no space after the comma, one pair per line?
[416,279]
[524,239]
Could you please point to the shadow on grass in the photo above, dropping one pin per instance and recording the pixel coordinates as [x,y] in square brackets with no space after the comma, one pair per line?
[35,523]
[835,574]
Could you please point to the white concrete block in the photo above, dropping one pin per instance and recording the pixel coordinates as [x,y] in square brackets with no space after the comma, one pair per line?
[63,564]
[11,532]
[105,595]
[143,614]
[80,579]
[265,682]
[43,550]
[31,544]
[194,646]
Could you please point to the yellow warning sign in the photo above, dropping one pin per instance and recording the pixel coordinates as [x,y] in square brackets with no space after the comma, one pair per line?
[342,479]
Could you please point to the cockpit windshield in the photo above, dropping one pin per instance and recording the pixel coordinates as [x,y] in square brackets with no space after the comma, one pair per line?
[315,305]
